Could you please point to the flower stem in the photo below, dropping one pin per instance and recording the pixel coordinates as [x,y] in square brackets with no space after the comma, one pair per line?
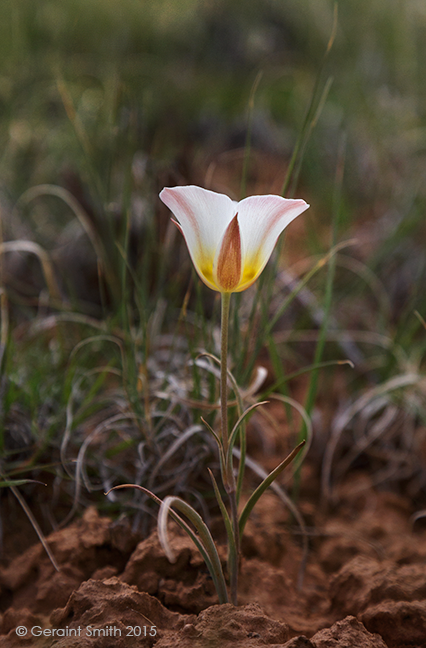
[227,472]
[234,556]
[226,298]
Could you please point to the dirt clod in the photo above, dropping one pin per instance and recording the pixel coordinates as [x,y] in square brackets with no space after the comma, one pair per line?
[348,633]
[400,623]
[363,582]
[223,625]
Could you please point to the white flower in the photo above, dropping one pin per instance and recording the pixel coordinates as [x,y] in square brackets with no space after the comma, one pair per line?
[229,242]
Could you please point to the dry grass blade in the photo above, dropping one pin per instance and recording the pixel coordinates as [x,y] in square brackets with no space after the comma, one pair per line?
[68,199]
[35,525]
[378,429]
[69,409]
[51,321]
[257,382]
[194,429]
[231,380]
[341,337]
[42,255]
[397,382]
[310,302]
[419,515]
[80,476]
[80,214]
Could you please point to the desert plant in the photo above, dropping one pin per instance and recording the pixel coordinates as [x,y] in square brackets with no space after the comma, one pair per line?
[230,244]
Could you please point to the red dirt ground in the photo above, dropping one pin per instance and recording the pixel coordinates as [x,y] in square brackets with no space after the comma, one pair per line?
[364,585]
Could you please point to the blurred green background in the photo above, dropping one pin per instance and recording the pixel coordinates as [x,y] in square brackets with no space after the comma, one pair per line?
[157,75]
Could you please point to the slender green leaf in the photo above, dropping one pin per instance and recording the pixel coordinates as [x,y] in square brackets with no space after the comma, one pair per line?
[264,485]
[211,556]
[6,483]
[208,550]
[233,435]
[225,515]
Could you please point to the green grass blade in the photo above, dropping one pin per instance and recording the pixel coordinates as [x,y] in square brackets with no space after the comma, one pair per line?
[204,542]
[210,555]
[311,117]
[225,515]
[233,435]
[264,485]
[247,147]
[300,372]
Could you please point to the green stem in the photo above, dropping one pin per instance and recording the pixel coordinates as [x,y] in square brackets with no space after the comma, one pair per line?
[227,473]
[234,556]
[224,325]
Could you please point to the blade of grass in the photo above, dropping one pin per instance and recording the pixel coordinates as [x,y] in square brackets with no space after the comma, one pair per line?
[264,485]
[272,320]
[233,542]
[312,113]
[313,383]
[7,483]
[235,429]
[182,438]
[265,285]
[278,368]
[225,514]
[286,499]
[400,381]
[247,147]
[35,526]
[204,542]
[42,255]
[295,374]
[81,135]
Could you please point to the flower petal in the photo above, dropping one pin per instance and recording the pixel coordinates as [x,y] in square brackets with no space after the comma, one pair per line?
[203,216]
[262,219]
[227,265]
